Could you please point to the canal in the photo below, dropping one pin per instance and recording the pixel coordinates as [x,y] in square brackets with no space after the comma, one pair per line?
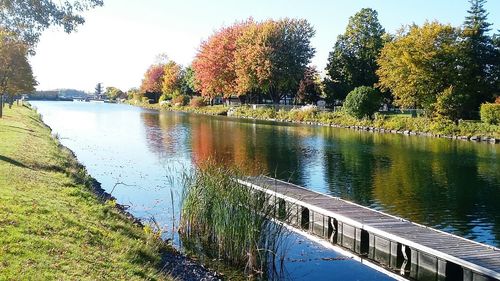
[138,154]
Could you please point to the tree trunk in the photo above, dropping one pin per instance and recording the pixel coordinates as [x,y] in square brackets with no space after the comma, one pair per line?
[11,101]
[1,105]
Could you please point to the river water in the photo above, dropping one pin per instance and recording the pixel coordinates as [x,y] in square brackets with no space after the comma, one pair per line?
[136,154]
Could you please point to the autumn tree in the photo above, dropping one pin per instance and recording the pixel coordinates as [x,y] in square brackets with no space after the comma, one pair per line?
[16,75]
[353,60]
[171,81]
[28,19]
[214,63]
[481,58]
[309,87]
[272,56]
[151,85]
[420,64]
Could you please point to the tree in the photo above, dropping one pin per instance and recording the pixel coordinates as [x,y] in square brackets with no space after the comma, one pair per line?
[214,62]
[450,104]
[309,87]
[98,91]
[272,57]
[188,82]
[481,58]
[135,94]
[152,82]
[114,93]
[16,75]
[421,63]
[353,61]
[172,75]
[28,19]
[362,102]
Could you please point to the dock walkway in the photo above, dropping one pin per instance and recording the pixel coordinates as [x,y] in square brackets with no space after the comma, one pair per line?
[413,250]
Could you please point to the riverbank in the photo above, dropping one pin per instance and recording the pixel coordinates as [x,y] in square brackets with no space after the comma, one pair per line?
[55,225]
[382,123]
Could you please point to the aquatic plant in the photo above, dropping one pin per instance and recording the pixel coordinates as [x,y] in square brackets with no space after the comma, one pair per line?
[230,221]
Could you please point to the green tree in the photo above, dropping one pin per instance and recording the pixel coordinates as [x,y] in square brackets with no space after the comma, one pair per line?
[16,75]
[419,64]
[353,60]
[188,82]
[98,91]
[480,56]
[362,102]
[28,19]
[114,93]
[496,66]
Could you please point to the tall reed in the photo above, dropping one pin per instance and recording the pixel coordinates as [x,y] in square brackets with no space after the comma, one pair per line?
[229,220]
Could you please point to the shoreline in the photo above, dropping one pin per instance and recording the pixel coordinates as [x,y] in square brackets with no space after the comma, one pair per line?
[475,138]
[174,265]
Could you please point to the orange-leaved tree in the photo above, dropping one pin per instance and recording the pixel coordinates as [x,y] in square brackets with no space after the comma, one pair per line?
[214,64]
[151,84]
[272,57]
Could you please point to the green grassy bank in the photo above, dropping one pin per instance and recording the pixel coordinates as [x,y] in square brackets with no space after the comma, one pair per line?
[52,225]
[388,123]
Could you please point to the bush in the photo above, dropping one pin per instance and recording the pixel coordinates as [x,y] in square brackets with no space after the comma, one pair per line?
[197,102]
[490,113]
[163,98]
[362,102]
[449,104]
[180,100]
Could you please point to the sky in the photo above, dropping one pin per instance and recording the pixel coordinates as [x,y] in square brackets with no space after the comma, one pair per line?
[120,40]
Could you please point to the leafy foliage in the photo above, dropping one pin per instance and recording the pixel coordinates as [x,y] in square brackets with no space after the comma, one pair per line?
[214,63]
[310,90]
[171,80]
[362,102]
[490,113]
[28,19]
[450,104]
[152,81]
[16,74]
[352,62]
[272,56]
[481,60]
[114,93]
[420,64]
[188,81]
[197,102]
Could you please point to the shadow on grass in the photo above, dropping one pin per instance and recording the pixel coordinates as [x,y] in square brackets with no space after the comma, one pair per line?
[13,162]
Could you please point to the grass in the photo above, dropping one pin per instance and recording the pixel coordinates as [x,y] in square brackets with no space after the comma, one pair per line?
[52,225]
[400,122]
[229,221]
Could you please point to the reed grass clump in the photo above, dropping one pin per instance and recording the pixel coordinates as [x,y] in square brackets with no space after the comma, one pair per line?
[230,221]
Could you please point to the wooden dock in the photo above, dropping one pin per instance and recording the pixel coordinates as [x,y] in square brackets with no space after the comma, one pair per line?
[414,251]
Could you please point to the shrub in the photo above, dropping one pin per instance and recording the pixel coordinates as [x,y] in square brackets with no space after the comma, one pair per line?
[197,102]
[180,100]
[490,113]
[362,102]
[162,98]
[449,104]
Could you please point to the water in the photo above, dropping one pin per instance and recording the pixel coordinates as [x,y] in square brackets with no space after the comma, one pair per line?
[450,185]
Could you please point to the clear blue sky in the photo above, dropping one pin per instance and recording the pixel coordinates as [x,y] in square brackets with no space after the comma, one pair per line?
[120,40]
